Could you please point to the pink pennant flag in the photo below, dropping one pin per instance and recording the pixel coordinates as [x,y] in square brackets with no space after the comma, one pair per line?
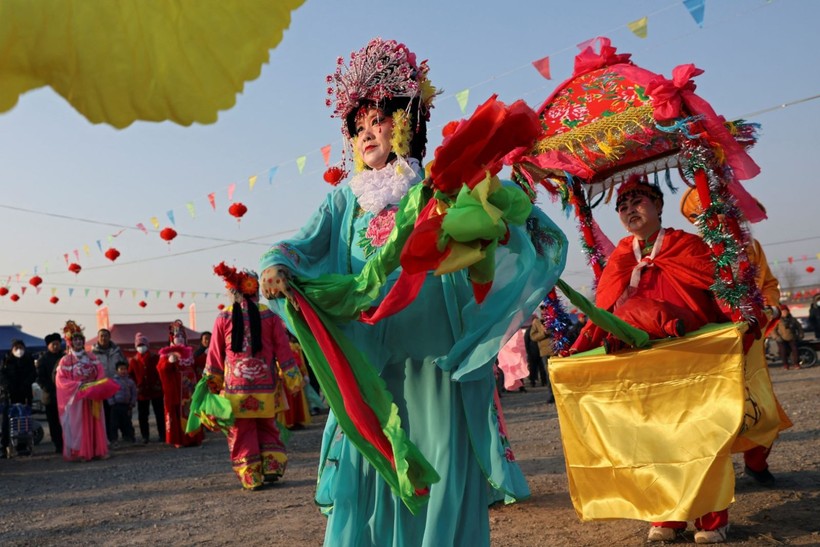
[142,228]
[66,258]
[170,294]
[121,291]
[38,289]
[231,188]
[587,43]
[106,291]
[182,294]
[326,154]
[543,67]
[212,200]
[23,289]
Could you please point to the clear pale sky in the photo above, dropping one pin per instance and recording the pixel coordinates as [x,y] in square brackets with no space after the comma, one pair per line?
[756,55]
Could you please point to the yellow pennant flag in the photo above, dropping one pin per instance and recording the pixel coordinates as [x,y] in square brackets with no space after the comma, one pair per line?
[252,182]
[155,222]
[53,291]
[638,27]
[133,293]
[300,163]
[462,97]
[86,250]
[191,210]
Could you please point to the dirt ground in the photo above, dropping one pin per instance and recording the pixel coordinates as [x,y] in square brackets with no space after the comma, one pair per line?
[155,494]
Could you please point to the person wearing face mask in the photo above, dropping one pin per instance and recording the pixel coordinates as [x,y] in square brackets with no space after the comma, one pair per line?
[176,372]
[143,370]
[81,388]
[17,373]
[46,372]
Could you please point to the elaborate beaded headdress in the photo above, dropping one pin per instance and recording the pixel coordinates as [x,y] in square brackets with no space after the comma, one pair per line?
[383,69]
[72,329]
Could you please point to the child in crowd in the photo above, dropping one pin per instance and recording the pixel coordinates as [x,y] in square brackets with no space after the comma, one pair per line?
[123,403]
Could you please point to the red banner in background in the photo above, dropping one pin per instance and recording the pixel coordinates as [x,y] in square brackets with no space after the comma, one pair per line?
[102,318]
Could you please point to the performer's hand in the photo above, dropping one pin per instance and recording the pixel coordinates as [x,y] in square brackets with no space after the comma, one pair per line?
[173,358]
[276,284]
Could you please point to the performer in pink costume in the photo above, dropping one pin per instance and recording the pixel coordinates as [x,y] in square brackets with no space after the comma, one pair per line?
[247,341]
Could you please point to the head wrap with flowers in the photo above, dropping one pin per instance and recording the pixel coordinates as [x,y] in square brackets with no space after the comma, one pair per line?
[243,282]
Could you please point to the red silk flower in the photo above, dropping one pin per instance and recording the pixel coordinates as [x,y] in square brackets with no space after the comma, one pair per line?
[180,305]
[14,297]
[237,210]
[35,281]
[810,269]
[143,303]
[54,299]
[98,301]
[168,234]
[74,268]
[112,254]
[479,144]
[4,291]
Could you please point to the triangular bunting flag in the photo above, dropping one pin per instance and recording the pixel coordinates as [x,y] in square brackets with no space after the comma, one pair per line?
[587,43]
[86,292]
[106,291]
[53,291]
[182,294]
[86,250]
[462,97]
[231,188]
[38,289]
[252,182]
[638,27]
[145,293]
[170,294]
[23,289]
[326,154]
[157,296]
[66,257]
[271,174]
[191,210]
[543,67]
[70,291]
[155,223]
[142,228]
[212,200]
[696,10]
[170,215]
[77,254]
[300,163]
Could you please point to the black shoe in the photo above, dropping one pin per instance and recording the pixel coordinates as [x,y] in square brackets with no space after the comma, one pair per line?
[764,478]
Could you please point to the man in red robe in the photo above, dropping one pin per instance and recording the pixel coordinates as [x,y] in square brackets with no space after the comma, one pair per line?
[657,279]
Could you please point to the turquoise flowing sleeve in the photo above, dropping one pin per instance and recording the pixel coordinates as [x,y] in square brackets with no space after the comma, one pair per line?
[527,267]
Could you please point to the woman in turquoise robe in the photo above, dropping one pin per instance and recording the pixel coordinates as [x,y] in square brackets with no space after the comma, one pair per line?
[435,357]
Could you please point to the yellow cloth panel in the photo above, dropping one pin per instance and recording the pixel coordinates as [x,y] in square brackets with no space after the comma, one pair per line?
[121,61]
[764,417]
[647,433]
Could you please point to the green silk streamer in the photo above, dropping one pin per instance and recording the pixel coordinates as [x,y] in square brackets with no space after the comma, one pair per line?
[616,326]
[412,471]
[208,409]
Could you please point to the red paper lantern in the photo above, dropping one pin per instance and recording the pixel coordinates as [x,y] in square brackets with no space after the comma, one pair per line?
[168,234]
[74,268]
[334,175]
[143,303]
[14,297]
[180,305]
[98,301]
[810,269]
[53,299]
[112,254]
[221,307]
[4,291]
[238,210]
[35,281]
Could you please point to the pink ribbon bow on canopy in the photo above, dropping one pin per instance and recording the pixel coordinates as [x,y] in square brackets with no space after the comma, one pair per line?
[588,60]
[668,99]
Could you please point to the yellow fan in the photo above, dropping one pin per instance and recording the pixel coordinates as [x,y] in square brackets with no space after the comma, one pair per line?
[118,61]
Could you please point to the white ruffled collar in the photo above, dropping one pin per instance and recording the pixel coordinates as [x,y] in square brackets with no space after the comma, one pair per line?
[376,189]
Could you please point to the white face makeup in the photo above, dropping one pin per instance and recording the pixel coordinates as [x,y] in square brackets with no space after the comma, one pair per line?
[372,140]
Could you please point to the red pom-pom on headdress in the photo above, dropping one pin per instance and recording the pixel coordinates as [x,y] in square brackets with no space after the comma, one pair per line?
[244,283]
